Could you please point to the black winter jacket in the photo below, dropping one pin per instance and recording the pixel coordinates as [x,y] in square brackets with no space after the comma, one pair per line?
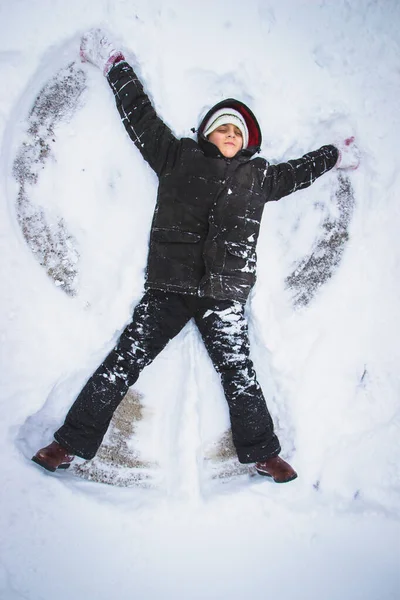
[207,218]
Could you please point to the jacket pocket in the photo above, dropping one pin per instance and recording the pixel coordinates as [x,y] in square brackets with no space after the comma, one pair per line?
[175,236]
[244,251]
[240,259]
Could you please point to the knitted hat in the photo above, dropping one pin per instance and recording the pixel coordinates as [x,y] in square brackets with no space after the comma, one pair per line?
[223,116]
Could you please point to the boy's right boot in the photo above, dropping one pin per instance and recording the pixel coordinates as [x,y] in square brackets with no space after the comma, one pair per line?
[277,468]
[53,457]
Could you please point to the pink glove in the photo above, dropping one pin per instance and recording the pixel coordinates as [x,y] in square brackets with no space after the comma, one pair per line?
[349,154]
[97,49]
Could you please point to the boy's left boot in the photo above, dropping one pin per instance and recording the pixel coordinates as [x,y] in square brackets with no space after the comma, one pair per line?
[53,457]
[277,468]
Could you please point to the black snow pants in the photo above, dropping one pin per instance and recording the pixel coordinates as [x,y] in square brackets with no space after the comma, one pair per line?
[157,318]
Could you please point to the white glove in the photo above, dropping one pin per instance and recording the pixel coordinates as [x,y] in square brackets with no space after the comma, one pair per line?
[97,49]
[349,154]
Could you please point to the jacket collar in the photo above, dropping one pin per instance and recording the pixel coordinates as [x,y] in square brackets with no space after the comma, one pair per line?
[212,151]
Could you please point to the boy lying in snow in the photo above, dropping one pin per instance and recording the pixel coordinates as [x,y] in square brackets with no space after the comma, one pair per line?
[201,263]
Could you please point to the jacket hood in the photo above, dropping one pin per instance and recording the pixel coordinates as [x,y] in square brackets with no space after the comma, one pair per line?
[253,127]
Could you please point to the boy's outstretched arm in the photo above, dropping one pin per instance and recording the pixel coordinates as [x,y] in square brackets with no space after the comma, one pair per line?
[285,178]
[151,136]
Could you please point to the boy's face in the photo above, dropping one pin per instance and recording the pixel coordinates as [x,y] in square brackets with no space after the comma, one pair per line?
[228,139]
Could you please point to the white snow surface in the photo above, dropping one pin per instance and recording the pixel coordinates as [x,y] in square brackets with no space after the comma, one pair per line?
[313,72]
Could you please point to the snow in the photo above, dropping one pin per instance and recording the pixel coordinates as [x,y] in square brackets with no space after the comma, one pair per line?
[314,73]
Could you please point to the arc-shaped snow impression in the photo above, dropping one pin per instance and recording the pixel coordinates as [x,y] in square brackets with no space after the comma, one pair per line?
[117,461]
[221,461]
[317,268]
[51,243]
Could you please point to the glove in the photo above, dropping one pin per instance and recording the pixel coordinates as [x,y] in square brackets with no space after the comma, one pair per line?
[349,154]
[97,49]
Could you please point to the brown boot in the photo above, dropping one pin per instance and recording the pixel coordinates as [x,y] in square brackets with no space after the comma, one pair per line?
[277,468]
[53,457]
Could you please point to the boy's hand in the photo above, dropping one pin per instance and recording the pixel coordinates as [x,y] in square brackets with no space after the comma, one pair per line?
[97,49]
[349,154]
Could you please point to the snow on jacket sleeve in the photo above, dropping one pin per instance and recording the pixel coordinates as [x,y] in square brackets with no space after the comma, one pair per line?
[152,137]
[285,178]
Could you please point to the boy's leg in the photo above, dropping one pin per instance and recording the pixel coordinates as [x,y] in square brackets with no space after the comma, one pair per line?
[156,320]
[223,327]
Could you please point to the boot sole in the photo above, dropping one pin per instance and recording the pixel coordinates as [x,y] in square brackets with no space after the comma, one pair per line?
[264,474]
[46,466]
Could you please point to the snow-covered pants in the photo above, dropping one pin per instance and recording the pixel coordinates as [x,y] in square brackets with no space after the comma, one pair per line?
[157,318]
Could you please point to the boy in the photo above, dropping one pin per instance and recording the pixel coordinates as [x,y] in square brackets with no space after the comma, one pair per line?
[201,263]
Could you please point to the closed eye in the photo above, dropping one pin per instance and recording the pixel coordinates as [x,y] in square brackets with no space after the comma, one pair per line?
[225,128]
